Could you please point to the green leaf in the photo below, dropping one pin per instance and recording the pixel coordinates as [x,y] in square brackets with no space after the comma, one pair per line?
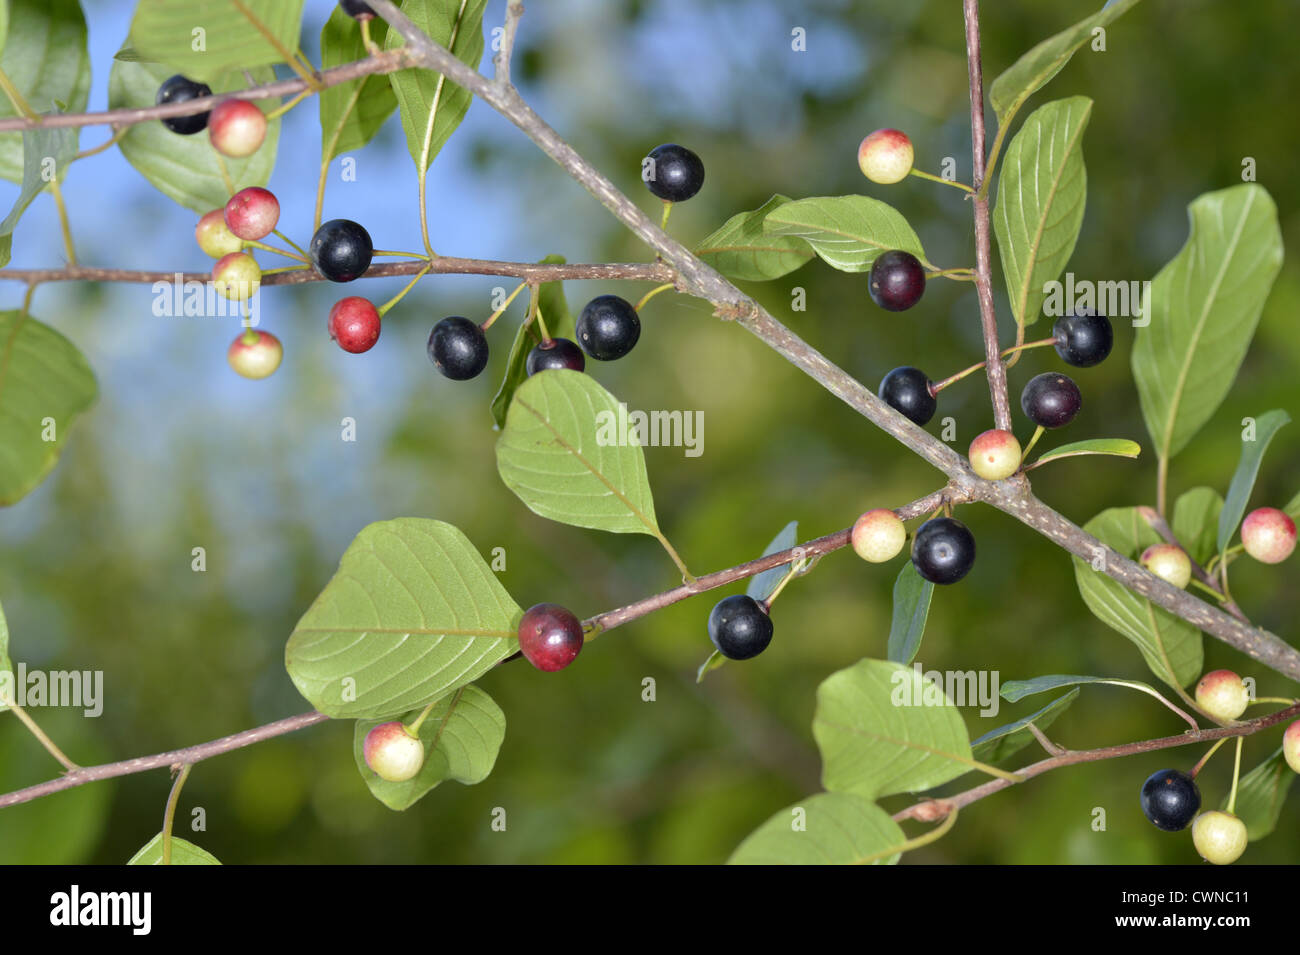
[825,829]
[6,664]
[44,384]
[1015,690]
[462,736]
[413,613]
[1243,482]
[1261,794]
[559,322]
[1293,506]
[740,249]
[40,147]
[1202,311]
[4,23]
[183,853]
[1116,447]
[1196,516]
[351,113]
[912,594]
[186,168]
[762,585]
[46,60]
[1031,72]
[567,455]
[848,232]
[1041,197]
[1170,646]
[432,106]
[205,38]
[1005,741]
[715,660]
[882,728]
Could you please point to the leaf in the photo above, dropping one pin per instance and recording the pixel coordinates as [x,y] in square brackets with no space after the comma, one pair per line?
[1293,506]
[715,660]
[206,38]
[40,146]
[1202,311]
[46,60]
[1005,741]
[848,232]
[432,106]
[1261,794]
[740,249]
[44,384]
[183,853]
[762,585]
[1041,196]
[1196,516]
[186,168]
[7,677]
[1116,447]
[882,728]
[837,829]
[1031,72]
[1014,690]
[567,455]
[4,23]
[1171,647]
[1243,482]
[351,113]
[559,322]
[912,594]
[412,613]
[462,736]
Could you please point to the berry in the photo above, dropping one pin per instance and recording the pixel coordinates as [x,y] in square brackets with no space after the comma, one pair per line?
[739,627]
[341,250]
[878,536]
[885,156]
[608,327]
[255,354]
[907,391]
[1222,694]
[550,637]
[1083,339]
[357,9]
[1268,535]
[943,551]
[556,354]
[1220,837]
[1051,400]
[392,752]
[237,276]
[673,172]
[1291,746]
[458,348]
[252,213]
[1170,799]
[995,455]
[178,89]
[897,280]
[1169,562]
[236,128]
[214,236]
[354,324]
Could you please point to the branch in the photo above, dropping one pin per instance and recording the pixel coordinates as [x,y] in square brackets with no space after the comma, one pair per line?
[1161,527]
[932,809]
[514,10]
[993,367]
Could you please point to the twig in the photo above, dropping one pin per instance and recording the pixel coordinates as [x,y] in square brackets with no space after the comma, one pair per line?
[514,10]
[1161,527]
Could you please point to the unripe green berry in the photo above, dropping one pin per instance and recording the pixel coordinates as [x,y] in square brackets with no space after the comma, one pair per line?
[392,752]
[214,236]
[995,455]
[1291,746]
[1222,694]
[255,354]
[1169,562]
[878,536]
[1220,837]
[885,156]
[237,276]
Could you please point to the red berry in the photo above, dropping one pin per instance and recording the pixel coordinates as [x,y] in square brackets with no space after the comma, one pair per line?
[550,637]
[236,128]
[354,324]
[252,213]
[1268,535]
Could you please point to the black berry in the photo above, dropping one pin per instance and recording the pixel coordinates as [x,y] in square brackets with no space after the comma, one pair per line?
[1051,400]
[1083,339]
[907,391]
[739,627]
[555,354]
[357,9]
[550,637]
[673,172]
[458,348]
[179,89]
[341,250]
[608,328]
[1170,799]
[897,281]
[943,551]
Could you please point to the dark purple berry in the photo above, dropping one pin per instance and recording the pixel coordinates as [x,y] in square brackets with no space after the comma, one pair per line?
[943,551]
[608,327]
[1051,400]
[341,250]
[357,9]
[1083,339]
[673,172]
[907,391]
[897,280]
[458,348]
[556,354]
[1170,799]
[550,637]
[179,89]
[739,627]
